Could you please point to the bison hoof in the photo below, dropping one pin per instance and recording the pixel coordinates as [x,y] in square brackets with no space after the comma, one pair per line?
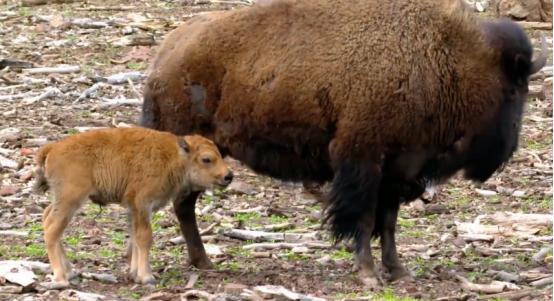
[204,264]
[401,275]
[371,280]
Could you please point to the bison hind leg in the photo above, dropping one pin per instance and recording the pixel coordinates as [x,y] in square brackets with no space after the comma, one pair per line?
[351,212]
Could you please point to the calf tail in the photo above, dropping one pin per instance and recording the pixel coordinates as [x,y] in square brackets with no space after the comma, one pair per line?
[41,183]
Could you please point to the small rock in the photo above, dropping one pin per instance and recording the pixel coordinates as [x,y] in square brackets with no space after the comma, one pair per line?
[8,190]
[518,193]
[8,163]
[177,240]
[27,152]
[127,30]
[234,289]
[81,296]
[5,226]
[541,255]
[11,289]
[300,249]
[509,277]
[325,260]
[418,205]
[35,142]
[241,187]
[436,209]
[10,135]
[213,250]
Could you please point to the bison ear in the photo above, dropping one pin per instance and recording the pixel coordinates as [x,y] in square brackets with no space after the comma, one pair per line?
[183,144]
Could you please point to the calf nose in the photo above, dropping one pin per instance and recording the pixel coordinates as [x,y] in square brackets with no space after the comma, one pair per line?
[228,177]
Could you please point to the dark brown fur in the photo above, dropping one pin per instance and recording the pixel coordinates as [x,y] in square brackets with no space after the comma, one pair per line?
[378,96]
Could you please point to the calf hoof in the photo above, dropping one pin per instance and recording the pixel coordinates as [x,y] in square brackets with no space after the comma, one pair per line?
[55,285]
[202,264]
[148,279]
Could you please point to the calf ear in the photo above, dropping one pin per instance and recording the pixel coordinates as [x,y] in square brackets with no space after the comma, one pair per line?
[183,144]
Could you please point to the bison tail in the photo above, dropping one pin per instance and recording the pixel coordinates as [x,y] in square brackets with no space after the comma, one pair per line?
[41,183]
[352,201]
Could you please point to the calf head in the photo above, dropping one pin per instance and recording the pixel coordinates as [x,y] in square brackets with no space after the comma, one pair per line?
[206,167]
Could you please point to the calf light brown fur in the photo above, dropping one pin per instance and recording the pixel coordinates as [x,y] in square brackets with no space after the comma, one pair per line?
[138,168]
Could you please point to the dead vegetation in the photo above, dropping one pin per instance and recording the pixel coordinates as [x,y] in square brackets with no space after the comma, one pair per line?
[68,67]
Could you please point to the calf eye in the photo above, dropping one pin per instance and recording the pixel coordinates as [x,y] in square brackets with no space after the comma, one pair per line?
[206,160]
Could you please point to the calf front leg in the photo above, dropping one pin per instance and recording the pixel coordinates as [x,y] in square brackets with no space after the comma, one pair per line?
[184,209]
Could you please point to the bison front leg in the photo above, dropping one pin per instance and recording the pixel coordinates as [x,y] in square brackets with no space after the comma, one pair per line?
[389,254]
[184,209]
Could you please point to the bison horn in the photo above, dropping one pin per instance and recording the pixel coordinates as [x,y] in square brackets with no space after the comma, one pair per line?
[540,60]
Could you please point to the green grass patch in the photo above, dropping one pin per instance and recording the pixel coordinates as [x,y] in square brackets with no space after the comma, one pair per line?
[248,218]
[342,253]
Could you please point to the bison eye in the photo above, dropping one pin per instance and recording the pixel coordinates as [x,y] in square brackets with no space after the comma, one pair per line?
[206,160]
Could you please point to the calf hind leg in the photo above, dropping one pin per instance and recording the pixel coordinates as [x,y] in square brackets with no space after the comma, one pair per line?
[142,242]
[56,218]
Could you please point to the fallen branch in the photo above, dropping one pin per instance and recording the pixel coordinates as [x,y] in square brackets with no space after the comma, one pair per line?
[542,282]
[492,288]
[14,233]
[104,8]
[49,93]
[274,227]
[110,103]
[107,278]
[535,25]
[60,69]
[89,92]
[267,236]
[476,237]
[11,97]
[508,295]
[280,291]
[285,245]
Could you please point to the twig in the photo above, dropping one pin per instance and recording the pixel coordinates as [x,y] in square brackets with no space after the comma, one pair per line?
[134,89]
[208,229]
[192,280]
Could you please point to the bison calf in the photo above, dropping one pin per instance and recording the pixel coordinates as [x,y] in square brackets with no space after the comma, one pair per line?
[138,168]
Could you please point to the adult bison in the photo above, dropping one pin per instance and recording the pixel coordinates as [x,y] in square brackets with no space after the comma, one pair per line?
[378,97]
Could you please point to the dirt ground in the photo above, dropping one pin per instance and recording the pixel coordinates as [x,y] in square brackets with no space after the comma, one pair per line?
[40,107]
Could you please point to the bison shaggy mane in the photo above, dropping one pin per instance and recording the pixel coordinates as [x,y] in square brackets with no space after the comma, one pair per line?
[379,97]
